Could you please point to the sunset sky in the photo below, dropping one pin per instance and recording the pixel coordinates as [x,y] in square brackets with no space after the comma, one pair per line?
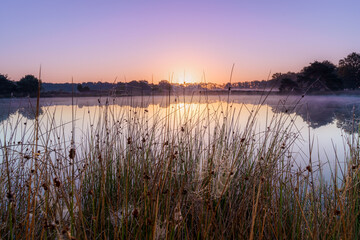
[101,40]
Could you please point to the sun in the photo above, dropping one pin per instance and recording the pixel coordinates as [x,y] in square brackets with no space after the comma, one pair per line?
[185,78]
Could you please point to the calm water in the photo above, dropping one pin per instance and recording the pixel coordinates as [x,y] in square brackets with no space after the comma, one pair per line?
[323,126]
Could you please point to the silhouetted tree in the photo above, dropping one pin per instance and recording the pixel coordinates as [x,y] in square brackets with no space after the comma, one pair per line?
[320,76]
[279,76]
[288,85]
[120,88]
[349,70]
[284,81]
[144,85]
[80,88]
[164,85]
[28,85]
[6,86]
[228,86]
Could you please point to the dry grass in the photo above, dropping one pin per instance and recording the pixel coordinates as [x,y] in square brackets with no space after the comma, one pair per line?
[138,175]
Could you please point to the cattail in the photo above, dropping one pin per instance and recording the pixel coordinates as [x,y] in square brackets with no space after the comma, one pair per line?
[149,222]
[135,213]
[57,183]
[72,153]
[146,177]
[10,196]
[45,186]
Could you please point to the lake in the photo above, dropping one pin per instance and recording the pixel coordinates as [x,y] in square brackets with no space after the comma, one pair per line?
[315,128]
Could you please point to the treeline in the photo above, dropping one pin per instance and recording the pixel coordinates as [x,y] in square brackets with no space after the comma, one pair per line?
[134,87]
[29,84]
[322,76]
[316,77]
[26,86]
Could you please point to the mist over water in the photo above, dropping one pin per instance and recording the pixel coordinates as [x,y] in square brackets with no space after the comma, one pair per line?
[323,126]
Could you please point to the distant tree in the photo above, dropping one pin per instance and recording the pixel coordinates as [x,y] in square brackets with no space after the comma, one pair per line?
[28,85]
[288,85]
[133,85]
[279,76]
[144,85]
[80,88]
[120,88]
[164,85]
[228,86]
[320,76]
[286,82]
[349,70]
[6,85]
[246,85]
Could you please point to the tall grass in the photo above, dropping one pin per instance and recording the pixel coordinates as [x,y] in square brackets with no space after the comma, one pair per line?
[192,173]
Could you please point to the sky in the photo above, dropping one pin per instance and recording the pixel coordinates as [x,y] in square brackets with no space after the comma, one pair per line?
[188,40]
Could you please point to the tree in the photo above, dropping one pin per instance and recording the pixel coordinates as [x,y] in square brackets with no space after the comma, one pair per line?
[278,80]
[164,85]
[28,85]
[80,88]
[320,76]
[6,85]
[349,70]
[144,85]
[288,85]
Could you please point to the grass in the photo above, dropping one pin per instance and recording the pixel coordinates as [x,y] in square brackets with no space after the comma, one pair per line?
[189,171]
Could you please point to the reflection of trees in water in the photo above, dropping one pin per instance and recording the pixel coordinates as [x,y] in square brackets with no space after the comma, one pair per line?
[26,110]
[349,119]
[325,111]
[316,110]
[30,113]
[6,112]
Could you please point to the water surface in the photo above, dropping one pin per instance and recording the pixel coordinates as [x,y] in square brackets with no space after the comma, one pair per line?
[322,127]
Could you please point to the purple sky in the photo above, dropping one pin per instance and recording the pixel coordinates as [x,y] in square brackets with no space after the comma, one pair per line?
[101,40]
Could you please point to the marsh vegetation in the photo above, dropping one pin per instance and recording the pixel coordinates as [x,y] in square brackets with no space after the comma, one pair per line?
[175,168]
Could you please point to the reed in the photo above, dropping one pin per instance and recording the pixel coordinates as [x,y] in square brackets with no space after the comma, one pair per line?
[192,173]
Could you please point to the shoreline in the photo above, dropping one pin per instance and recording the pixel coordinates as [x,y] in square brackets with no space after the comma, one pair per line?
[188,93]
